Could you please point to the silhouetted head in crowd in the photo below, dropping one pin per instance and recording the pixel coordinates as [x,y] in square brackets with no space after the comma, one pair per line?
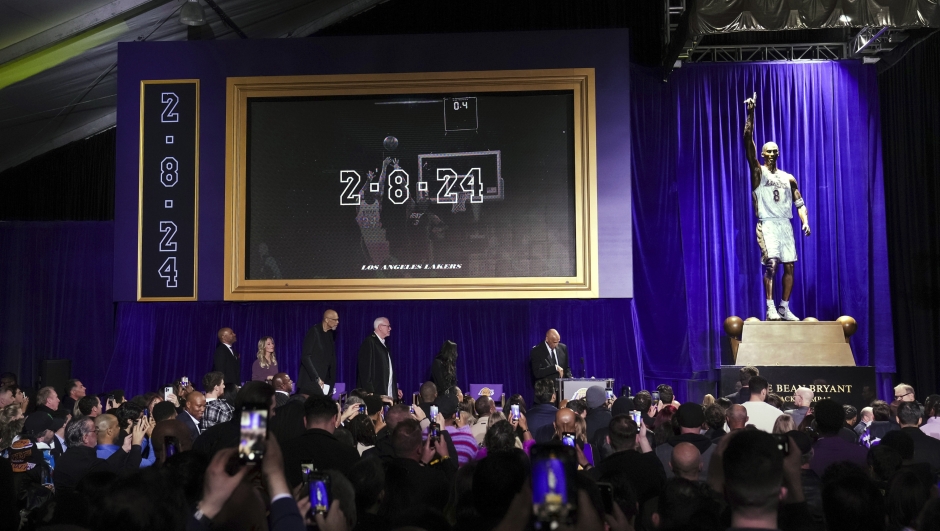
[163,411]
[774,400]
[500,436]
[497,479]
[320,412]
[642,402]
[904,393]
[686,461]
[906,495]
[367,477]
[406,440]
[881,410]
[89,406]
[753,468]
[851,501]
[214,383]
[910,414]
[683,505]
[736,417]
[829,417]
[109,431]
[929,519]
[362,430]
[195,404]
[342,490]
[47,397]
[564,422]
[746,373]
[81,432]
[932,406]
[8,379]
[517,400]
[622,433]
[715,417]
[883,461]
[666,395]
[578,406]
[428,392]
[757,386]
[851,414]
[544,391]
[484,406]
[141,501]
[396,414]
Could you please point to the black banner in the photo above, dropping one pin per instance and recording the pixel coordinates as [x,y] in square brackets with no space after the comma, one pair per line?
[845,385]
[169,184]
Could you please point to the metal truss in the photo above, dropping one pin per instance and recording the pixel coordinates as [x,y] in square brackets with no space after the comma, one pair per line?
[823,51]
[672,11]
[875,40]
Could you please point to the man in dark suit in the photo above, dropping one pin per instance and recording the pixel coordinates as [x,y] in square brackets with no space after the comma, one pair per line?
[541,416]
[193,410]
[226,360]
[317,445]
[376,374]
[550,358]
[282,388]
[318,359]
[424,469]
[926,448]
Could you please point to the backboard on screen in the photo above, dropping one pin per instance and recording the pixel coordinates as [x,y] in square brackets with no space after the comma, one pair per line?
[411,186]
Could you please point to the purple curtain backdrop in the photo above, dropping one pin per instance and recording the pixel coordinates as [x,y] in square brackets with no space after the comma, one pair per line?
[55,297]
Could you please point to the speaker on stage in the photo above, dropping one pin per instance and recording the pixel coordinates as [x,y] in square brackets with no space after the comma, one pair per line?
[55,374]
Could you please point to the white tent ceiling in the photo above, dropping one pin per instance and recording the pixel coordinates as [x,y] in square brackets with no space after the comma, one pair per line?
[72,48]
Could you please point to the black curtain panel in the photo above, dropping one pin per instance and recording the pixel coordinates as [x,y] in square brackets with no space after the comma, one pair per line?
[910,113]
[74,182]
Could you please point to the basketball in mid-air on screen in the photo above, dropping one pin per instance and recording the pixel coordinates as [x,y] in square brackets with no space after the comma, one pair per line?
[390,143]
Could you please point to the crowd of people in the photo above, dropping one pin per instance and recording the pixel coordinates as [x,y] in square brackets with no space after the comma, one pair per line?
[187,458]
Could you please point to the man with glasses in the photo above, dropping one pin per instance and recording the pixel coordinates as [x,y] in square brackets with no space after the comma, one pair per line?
[903,393]
[376,373]
[318,361]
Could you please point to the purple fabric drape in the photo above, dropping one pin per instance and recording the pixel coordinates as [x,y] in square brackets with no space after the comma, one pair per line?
[698,260]
[55,298]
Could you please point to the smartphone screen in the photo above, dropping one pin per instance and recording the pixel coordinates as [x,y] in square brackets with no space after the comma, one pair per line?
[434,431]
[655,397]
[319,485]
[385,411]
[184,381]
[607,496]
[567,439]
[167,391]
[433,412]
[254,432]
[515,411]
[637,417]
[783,443]
[362,409]
[554,488]
[305,470]
[171,446]
[610,394]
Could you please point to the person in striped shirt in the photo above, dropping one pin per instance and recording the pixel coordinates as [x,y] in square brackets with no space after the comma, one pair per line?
[460,432]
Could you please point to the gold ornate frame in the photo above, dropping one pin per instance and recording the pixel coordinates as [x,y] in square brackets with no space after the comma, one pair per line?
[583,285]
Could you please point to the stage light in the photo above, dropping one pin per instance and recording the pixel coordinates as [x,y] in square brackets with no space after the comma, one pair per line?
[192,14]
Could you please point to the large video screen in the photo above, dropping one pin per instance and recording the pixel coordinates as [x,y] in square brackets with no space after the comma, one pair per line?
[434,186]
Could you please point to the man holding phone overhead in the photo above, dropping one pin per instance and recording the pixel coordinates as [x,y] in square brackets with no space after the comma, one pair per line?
[317,445]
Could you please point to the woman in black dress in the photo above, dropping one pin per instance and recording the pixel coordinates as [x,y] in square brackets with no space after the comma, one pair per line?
[444,367]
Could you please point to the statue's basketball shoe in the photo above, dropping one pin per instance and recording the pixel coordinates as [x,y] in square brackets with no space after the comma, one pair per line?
[787,315]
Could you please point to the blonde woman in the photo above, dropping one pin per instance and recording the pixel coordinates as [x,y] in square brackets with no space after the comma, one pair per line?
[784,424]
[265,367]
